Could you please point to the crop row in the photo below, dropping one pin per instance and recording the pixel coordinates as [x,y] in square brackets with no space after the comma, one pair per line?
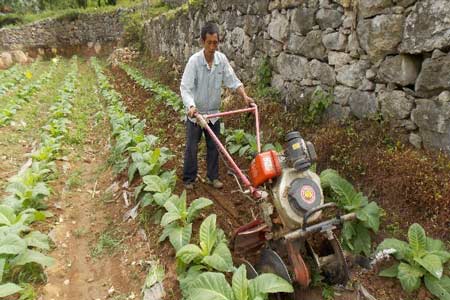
[422,257]
[20,246]
[201,266]
[14,77]
[24,95]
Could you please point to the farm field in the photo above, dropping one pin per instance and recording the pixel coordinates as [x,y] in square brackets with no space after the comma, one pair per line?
[93,207]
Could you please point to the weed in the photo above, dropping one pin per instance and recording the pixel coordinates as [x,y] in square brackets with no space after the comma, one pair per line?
[320,100]
[79,232]
[28,292]
[74,180]
[327,292]
[108,241]
[264,75]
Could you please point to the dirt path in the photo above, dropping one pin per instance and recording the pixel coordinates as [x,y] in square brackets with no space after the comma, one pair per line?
[98,256]
[16,140]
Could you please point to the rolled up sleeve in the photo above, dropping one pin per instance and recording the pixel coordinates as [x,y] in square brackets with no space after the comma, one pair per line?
[188,84]
[230,79]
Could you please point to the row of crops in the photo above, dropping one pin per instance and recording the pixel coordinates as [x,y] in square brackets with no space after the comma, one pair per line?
[22,249]
[201,266]
[421,258]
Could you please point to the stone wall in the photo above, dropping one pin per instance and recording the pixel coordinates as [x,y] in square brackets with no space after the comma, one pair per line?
[70,31]
[387,57]
[174,3]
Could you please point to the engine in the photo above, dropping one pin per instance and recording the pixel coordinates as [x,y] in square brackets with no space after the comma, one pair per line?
[297,188]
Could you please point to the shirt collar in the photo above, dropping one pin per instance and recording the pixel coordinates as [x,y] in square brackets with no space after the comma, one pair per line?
[216,58]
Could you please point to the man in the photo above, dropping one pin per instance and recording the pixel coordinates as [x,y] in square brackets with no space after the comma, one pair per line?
[201,84]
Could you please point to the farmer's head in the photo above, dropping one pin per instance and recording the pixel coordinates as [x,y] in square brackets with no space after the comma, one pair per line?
[210,37]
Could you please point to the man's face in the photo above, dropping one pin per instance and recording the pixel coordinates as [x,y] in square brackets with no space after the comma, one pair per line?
[211,43]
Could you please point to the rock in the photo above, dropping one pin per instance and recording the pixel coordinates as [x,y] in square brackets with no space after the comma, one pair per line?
[277,81]
[237,37]
[19,57]
[252,24]
[352,75]
[366,85]
[432,115]
[342,94]
[401,69]
[438,53]
[370,74]
[415,140]
[395,104]
[6,60]
[335,41]
[434,77]
[278,27]
[322,72]
[444,97]
[337,112]
[302,20]
[427,27]
[381,35]
[370,8]
[338,59]
[328,18]
[310,46]
[292,67]
[363,104]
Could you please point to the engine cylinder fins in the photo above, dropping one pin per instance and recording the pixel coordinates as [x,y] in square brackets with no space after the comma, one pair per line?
[304,194]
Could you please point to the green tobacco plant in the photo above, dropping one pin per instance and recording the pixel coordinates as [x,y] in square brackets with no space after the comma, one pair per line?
[212,252]
[19,246]
[149,162]
[160,188]
[355,234]
[243,143]
[420,257]
[177,221]
[211,285]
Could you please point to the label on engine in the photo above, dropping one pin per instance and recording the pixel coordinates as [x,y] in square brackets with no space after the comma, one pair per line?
[296,146]
[268,165]
[308,194]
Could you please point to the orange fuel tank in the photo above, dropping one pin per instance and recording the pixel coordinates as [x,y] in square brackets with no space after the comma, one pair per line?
[264,166]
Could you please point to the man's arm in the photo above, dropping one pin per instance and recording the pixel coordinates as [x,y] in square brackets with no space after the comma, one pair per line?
[231,81]
[187,86]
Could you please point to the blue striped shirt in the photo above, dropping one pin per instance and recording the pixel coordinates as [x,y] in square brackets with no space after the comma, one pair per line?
[201,85]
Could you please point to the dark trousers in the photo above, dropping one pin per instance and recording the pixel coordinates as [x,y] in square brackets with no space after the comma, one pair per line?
[193,136]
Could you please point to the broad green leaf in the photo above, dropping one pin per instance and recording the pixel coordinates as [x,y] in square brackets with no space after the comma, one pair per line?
[409,277]
[417,239]
[8,289]
[144,168]
[195,207]
[401,247]
[12,244]
[211,286]
[268,283]
[243,150]
[155,274]
[153,183]
[220,259]
[37,239]
[370,216]
[161,198]
[348,232]
[443,255]
[29,256]
[362,241]
[187,278]
[132,171]
[390,272]
[2,268]
[40,189]
[439,288]
[7,216]
[240,283]
[432,263]
[208,234]
[330,179]
[180,236]
[234,148]
[188,253]
[434,245]
[169,217]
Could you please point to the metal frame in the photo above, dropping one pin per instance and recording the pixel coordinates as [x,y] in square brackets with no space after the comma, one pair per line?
[202,120]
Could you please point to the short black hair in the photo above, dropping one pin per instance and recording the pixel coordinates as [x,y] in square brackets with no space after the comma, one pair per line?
[209,28]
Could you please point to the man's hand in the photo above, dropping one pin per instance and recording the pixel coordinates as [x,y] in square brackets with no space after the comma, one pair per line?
[248,100]
[192,110]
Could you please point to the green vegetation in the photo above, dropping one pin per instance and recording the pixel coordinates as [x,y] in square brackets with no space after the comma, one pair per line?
[264,80]
[108,241]
[355,234]
[420,257]
[243,143]
[320,100]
